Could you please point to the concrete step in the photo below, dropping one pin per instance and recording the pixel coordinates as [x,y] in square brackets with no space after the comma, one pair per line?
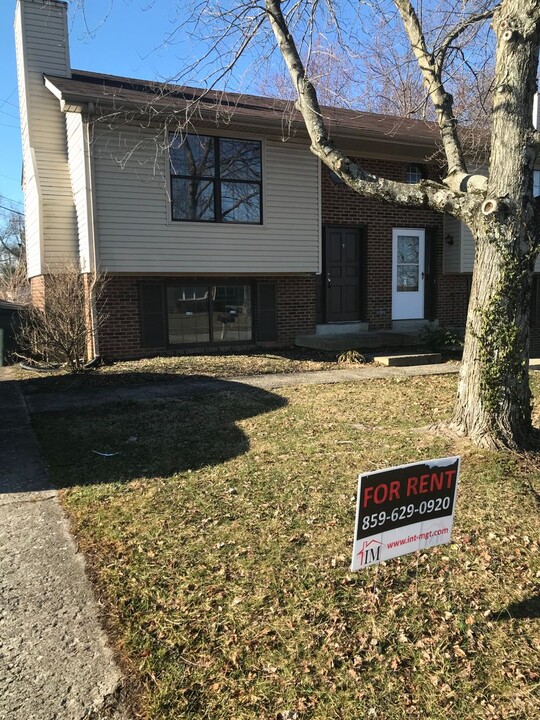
[405,360]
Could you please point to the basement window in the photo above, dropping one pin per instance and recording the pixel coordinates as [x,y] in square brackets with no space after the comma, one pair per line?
[208,313]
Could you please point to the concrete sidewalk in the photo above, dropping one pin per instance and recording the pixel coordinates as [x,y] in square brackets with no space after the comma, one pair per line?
[43,402]
[54,660]
[187,385]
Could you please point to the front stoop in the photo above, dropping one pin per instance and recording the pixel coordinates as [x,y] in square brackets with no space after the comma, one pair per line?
[362,341]
[406,360]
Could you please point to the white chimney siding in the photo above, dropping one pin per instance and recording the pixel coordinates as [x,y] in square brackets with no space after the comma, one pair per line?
[41,38]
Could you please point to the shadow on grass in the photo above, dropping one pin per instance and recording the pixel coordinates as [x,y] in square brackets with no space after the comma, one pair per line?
[523,610]
[149,436]
[107,377]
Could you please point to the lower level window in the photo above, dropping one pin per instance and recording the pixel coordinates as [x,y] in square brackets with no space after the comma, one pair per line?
[209,313]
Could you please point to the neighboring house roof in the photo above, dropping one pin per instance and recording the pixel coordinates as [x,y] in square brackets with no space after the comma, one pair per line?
[110,92]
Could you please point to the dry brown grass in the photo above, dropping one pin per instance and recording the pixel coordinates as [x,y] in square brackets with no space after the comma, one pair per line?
[220,541]
[167,369]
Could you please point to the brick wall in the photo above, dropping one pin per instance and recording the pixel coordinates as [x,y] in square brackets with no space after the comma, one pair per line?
[120,334]
[295,307]
[454,292]
[37,291]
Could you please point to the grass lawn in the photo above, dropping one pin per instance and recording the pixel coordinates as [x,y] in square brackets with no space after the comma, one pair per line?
[220,536]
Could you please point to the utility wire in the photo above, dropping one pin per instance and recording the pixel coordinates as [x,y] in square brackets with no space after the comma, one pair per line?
[11,210]
[6,100]
[5,197]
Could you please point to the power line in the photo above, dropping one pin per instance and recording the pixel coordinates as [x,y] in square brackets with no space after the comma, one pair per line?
[5,112]
[8,97]
[5,197]
[11,210]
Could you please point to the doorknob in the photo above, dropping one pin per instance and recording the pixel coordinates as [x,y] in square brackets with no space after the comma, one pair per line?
[328,279]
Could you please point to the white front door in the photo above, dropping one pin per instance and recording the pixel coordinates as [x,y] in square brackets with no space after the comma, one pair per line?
[408,253]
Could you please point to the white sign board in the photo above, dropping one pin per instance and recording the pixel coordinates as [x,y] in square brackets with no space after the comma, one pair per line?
[403,509]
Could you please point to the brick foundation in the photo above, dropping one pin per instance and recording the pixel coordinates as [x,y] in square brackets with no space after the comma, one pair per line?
[37,291]
[120,334]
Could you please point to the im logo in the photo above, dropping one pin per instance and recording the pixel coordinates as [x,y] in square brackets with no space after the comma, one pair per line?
[369,552]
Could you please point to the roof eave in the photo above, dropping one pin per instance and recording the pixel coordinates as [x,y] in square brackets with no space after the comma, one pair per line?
[73,102]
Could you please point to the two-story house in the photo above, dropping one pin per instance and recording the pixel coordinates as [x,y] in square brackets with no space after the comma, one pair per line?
[213,221]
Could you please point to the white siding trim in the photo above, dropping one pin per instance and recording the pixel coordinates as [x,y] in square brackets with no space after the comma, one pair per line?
[319,182]
[90,184]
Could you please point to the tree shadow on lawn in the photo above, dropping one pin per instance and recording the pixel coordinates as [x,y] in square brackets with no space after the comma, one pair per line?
[529,608]
[191,427]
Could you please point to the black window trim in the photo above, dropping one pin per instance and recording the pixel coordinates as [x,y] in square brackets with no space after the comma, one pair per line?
[217,181]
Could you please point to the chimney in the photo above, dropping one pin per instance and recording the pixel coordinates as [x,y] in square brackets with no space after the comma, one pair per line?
[41,42]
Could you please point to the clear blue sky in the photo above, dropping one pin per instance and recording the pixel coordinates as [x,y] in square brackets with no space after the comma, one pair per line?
[120,37]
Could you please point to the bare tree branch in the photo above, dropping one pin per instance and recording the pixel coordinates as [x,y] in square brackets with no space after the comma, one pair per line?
[442,50]
[442,100]
[425,194]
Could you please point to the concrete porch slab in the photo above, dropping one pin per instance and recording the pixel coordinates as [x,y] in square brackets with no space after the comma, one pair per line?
[362,341]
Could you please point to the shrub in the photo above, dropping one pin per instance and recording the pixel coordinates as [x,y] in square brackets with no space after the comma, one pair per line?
[63,330]
[439,339]
[351,356]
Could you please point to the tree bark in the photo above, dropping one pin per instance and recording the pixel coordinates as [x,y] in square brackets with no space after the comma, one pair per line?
[494,401]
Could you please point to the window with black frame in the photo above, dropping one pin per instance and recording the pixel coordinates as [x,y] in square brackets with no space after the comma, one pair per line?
[208,313]
[216,179]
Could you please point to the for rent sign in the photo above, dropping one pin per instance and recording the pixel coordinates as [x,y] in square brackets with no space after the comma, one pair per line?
[403,509]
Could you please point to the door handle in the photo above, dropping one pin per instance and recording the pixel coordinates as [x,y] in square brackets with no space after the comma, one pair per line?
[423,276]
[328,279]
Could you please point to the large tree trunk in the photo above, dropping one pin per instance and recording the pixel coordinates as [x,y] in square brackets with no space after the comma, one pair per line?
[494,402]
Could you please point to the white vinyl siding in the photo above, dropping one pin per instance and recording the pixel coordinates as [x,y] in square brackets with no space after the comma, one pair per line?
[467,249]
[452,253]
[41,40]
[136,233]
[458,257]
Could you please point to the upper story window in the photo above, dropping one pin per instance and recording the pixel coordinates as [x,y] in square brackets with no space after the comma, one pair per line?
[216,179]
[414,174]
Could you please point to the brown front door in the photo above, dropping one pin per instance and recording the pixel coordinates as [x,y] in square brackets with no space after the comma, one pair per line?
[343,274]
